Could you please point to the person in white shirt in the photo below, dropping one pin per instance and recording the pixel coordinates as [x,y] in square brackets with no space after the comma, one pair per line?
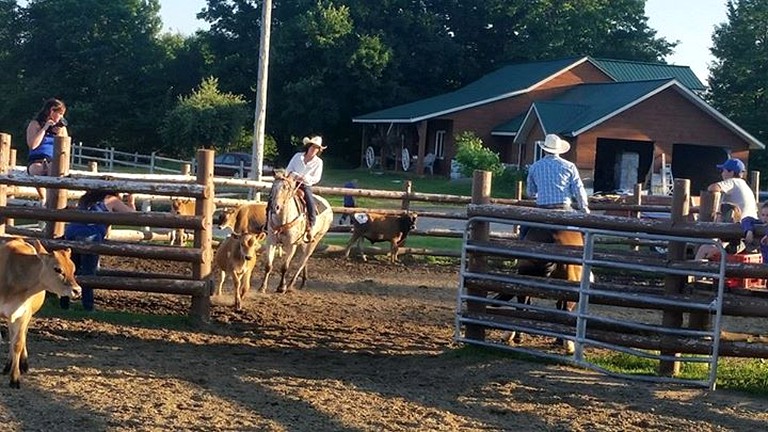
[735,189]
[307,168]
[736,194]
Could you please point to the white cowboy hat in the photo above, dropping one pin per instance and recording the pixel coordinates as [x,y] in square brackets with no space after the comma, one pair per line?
[554,144]
[315,141]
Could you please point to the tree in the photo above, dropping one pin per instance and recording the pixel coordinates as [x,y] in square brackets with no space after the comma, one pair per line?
[103,59]
[739,75]
[207,118]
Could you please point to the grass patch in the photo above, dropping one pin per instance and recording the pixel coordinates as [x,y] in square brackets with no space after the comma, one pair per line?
[738,374]
[413,241]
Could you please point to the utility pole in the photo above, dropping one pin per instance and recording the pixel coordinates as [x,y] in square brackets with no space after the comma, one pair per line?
[259,123]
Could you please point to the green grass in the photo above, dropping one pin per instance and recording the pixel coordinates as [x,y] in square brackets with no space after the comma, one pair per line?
[744,375]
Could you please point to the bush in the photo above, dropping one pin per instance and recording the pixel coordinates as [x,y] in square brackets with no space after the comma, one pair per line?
[472,155]
[207,118]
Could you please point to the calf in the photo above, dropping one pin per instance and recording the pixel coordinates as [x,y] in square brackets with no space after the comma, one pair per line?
[378,227]
[236,257]
[247,218]
[27,270]
[183,207]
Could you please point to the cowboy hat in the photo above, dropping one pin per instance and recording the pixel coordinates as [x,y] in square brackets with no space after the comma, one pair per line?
[315,141]
[554,144]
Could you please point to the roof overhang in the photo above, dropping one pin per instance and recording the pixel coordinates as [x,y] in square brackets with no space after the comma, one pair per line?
[476,103]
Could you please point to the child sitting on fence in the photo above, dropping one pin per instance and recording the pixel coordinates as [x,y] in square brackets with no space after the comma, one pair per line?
[748,227]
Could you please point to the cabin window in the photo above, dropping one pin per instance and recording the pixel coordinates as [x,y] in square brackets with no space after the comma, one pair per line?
[440,144]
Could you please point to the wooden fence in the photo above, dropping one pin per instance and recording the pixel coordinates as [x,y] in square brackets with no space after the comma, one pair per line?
[56,213]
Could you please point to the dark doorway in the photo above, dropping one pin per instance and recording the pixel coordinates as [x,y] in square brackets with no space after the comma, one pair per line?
[618,163]
[698,164]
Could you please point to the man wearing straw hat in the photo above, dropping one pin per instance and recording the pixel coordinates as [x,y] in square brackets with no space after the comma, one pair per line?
[554,181]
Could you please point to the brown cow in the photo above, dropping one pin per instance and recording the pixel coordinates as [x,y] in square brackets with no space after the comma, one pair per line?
[236,257]
[247,218]
[183,207]
[27,271]
[377,227]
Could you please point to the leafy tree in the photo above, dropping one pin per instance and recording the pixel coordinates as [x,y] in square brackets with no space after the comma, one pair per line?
[333,60]
[739,75]
[103,59]
[206,118]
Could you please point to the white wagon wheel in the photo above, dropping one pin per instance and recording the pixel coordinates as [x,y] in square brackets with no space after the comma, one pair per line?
[370,157]
[406,159]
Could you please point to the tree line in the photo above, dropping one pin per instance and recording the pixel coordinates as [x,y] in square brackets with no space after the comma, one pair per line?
[130,85]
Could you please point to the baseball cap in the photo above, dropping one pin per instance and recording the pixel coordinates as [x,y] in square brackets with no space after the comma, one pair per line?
[734,165]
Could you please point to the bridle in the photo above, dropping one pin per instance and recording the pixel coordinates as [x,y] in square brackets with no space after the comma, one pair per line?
[284,198]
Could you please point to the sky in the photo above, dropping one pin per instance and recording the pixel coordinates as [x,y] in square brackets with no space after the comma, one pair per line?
[691,22]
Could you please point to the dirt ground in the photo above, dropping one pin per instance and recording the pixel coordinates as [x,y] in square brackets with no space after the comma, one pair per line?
[364,347]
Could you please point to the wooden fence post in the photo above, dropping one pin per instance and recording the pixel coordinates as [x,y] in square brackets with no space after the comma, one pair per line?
[201,304]
[673,284]
[11,165]
[5,153]
[186,169]
[481,194]
[408,189]
[57,198]
[93,166]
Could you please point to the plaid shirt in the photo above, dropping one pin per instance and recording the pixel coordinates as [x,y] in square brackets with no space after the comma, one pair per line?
[554,181]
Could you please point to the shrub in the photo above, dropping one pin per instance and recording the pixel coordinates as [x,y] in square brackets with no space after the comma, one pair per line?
[472,155]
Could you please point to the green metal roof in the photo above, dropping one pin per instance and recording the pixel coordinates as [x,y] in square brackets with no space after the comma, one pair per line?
[520,78]
[502,83]
[624,70]
[588,103]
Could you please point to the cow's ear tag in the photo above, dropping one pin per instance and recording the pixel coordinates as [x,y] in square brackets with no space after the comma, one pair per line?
[361,218]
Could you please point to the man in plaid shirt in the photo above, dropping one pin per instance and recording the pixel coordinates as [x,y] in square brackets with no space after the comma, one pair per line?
[554,181]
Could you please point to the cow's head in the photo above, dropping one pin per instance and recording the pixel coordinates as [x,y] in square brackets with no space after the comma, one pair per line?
[227,218]
[58,273]
[249,244]
[408,222]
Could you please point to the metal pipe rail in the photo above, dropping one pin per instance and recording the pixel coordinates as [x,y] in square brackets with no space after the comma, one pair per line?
[583,315]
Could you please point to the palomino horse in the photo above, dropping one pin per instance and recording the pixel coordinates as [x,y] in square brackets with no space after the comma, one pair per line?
[541,268]
[286,226]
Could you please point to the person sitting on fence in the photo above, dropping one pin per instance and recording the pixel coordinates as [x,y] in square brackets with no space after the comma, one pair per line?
[307,168]
[349,202]
[88,264]
[41,131]
[735,189]
[748,224]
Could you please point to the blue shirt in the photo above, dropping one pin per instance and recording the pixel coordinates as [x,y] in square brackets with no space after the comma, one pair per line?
[555,181]
[80,230]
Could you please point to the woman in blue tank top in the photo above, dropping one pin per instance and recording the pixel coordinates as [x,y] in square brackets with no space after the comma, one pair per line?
[41,131]
[88,264]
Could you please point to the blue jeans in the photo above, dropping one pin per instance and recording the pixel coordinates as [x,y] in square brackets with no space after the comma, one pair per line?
[311,206]
[85,265]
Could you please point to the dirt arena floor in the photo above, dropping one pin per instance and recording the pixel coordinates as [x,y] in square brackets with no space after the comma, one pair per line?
[364,347]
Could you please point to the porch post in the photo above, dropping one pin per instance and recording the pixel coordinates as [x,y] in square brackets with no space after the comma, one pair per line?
[421,129]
